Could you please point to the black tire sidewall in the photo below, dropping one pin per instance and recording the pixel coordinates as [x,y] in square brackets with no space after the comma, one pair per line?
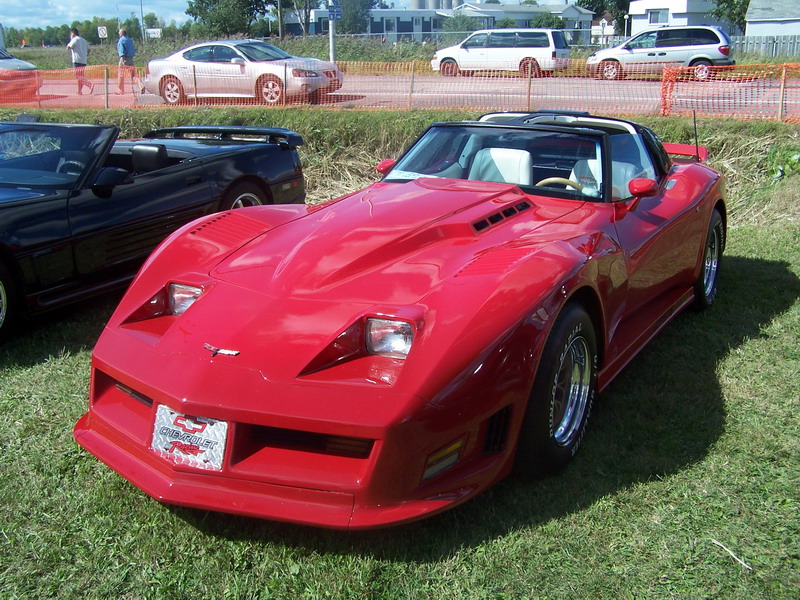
[237,190]
[703,300]
[538,452]
[10,309]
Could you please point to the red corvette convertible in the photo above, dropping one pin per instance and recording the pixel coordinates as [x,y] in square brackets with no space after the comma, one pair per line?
[392,353]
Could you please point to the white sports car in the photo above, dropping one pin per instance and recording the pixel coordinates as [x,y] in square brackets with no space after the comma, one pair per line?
[240,69]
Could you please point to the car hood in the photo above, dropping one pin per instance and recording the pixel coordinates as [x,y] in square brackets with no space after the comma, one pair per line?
[391,243]
[309,63]
[15,64]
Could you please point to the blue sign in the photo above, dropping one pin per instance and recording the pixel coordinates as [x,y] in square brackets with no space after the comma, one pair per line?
[335,13]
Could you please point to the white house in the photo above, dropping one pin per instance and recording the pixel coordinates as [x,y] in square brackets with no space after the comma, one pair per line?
[773,17]
[645,14]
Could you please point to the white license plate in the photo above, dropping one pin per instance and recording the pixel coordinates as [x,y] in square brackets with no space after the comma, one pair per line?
[192,441]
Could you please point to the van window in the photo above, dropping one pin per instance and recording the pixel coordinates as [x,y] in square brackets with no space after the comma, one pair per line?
[532,39]
[501,40]
[559,41]
[703,36]
[646,40]
[476,41]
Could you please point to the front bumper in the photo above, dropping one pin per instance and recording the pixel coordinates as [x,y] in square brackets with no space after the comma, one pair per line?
[378,484]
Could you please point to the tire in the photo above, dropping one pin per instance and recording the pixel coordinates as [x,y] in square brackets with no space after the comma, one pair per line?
[9,303]
[269,90]
[702,71]
[562,396]
[172,91]
[705,288]
[530,68]
[243,194]
[610,69]
[449,68]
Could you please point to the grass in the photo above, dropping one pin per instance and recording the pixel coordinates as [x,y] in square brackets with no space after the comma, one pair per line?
[687,485]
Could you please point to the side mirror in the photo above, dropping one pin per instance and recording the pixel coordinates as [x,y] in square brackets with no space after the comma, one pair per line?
[237,60]
[385,166]
[107,179]
[641,187]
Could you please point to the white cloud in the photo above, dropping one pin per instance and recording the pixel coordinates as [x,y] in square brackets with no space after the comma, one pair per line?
[42,13]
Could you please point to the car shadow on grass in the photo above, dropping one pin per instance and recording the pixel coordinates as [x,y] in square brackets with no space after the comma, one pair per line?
[659,417]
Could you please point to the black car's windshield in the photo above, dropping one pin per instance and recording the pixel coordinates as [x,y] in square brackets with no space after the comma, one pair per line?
[564,162]
[4,54]
[47,156]
[259,51]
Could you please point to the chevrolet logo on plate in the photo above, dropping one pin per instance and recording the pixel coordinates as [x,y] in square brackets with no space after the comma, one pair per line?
[214,351]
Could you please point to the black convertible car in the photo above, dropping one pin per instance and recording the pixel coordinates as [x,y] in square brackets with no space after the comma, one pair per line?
[80,211]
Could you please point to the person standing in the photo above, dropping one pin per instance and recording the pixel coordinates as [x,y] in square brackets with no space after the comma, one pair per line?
[126,52]
[79,52]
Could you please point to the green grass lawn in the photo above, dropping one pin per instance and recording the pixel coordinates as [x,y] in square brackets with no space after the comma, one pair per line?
[688,485]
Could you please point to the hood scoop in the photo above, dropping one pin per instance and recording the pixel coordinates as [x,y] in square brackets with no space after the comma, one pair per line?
[500,216]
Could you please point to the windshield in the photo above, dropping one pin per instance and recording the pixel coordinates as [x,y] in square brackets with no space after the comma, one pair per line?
[4,54]
[565,163]
[259,51]
[46,156]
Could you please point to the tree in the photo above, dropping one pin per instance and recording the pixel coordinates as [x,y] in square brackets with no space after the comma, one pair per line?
[598,7]
[355,16]
[227,17]
[504,22]
[547,21]
[731,11]
[461,22]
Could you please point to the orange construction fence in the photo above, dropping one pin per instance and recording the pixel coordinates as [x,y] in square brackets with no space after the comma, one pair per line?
[745,91]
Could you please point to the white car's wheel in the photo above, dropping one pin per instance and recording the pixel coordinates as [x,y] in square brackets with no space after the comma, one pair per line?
[172,91]
[269,90]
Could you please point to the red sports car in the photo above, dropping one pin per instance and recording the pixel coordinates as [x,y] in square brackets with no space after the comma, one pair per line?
[392,353]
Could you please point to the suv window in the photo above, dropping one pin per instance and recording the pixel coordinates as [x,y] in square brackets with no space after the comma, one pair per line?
[501,40]
[703,36]
[533,39]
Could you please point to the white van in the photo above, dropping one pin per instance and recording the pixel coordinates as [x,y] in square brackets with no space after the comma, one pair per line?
[523,50]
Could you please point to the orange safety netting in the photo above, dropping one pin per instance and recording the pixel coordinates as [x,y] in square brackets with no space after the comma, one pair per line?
[745,91]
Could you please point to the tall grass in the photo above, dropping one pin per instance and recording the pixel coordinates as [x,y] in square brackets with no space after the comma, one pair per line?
[687,485]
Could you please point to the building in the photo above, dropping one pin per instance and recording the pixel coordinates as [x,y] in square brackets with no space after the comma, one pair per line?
[645,14]
[773,17]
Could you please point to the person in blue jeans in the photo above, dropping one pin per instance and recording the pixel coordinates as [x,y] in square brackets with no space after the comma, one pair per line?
[79,53]
[126,52]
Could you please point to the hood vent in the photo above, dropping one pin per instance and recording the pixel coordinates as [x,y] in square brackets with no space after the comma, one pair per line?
[499,216]
[228,228]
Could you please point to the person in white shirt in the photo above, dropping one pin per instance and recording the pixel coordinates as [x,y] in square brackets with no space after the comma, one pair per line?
[79,50]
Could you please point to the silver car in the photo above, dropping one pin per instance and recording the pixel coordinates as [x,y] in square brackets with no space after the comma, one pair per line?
[19,79]
[240,69]
[698,46]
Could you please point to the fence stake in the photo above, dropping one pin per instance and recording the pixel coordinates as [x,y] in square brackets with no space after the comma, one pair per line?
[194,84]
[105,87]
[782,97]
[411,86]
[530,80]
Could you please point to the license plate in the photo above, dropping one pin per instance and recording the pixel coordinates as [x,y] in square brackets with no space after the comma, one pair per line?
[191,441]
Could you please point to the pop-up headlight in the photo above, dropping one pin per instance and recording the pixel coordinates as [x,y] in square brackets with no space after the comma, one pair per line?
[388,337]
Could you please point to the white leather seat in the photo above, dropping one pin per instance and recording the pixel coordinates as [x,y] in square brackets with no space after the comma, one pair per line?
[504,165]
[587,173]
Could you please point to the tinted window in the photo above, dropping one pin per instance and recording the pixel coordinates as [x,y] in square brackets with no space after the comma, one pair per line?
[533,39]
[703,36]
[224,54]
[559,40]
[259,51]
[645,40]
[476,41]
[501,40]
[201,54]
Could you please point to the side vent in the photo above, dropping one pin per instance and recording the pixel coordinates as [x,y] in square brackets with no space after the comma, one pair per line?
[499,216]
[228,228]
[496,432]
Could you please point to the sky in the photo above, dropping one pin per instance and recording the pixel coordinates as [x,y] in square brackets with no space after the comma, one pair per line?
[41,13]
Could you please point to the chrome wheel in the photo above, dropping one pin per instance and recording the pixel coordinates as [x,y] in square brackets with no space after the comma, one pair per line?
[172,91]
[242,195]
[270,90]
[571,391]
[705,287]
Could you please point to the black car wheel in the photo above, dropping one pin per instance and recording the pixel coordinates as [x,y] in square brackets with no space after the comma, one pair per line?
[705,288]
[243,194]
[448,68]
[562,396]
[530,68]
[8,302]
[269,90]
[172,91]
